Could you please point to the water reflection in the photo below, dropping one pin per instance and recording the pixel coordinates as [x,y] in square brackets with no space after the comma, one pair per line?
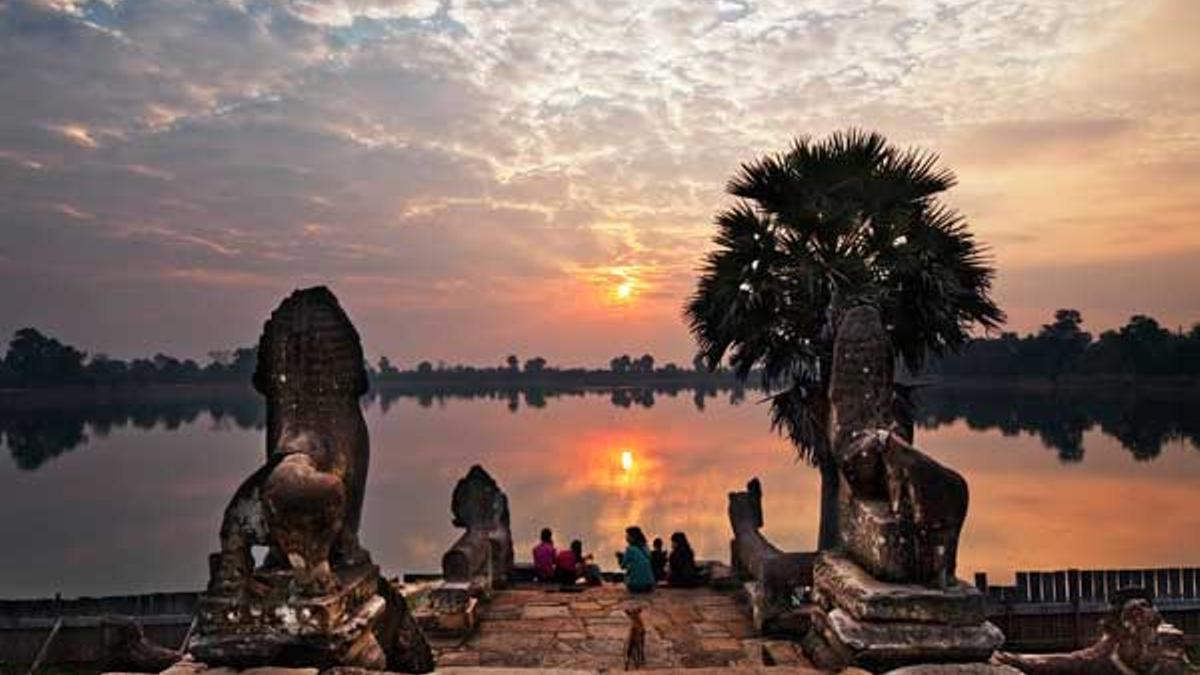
[1142,421]
[138,506]
[39,429]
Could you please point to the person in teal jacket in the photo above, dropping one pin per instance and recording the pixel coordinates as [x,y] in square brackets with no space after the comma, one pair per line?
[639,575]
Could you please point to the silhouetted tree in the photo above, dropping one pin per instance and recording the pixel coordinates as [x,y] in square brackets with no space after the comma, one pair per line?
[386,369]
[1060,344]
[819,229]
[621,364]
[1145,346]
[645,364]
[514,364]
[535,365]
[35,360]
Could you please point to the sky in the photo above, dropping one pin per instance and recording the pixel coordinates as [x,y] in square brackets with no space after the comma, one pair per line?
[475,178]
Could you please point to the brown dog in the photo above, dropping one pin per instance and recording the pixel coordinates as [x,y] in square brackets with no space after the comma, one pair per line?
[635,646]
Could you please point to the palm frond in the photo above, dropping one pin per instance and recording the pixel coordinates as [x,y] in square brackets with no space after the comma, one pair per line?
[832,223]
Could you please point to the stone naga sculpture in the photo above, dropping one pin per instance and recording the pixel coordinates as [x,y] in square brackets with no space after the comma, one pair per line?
[754,556]
[1134,641]
[486,548]
[305,504]
[900,512]
[778,577]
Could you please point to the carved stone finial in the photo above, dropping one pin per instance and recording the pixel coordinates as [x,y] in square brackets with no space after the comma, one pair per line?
[862,377]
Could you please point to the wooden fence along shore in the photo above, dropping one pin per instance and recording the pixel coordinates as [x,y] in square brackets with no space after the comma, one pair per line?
[26,624]
[1043,611]
[1061,609]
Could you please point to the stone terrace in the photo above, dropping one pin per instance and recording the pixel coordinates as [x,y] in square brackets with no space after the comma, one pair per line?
[547,628]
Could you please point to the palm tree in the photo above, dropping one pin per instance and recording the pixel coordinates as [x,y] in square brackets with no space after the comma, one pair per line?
[828,225]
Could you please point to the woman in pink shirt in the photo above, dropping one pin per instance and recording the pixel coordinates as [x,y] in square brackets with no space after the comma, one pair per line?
[543,556]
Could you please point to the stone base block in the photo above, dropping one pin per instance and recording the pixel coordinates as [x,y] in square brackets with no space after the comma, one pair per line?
[450,612]
[775,619]
[838,640]
[363,623]
[840,582]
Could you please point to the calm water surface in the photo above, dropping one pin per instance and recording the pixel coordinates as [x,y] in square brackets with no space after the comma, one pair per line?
[120,497]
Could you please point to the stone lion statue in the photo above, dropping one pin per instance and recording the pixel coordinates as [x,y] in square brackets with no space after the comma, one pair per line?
[305,503]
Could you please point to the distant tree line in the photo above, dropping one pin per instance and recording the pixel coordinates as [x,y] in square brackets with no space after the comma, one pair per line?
[37,360]
[1140,348]
[538,371]
[34,359]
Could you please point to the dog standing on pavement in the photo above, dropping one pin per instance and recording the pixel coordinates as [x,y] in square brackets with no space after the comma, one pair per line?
[635,646]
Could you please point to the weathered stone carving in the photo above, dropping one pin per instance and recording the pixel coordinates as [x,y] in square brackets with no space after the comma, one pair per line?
[479,560]
[316,599]
[1134,641]
[899,512]
[485,550]
[775,577]
[889,594]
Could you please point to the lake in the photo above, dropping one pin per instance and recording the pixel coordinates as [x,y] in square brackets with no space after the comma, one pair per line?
[109,494]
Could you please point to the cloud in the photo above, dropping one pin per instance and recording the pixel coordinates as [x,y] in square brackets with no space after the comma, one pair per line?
[479,160]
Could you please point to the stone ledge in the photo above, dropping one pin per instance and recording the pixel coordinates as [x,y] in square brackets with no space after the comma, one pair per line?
[899,643]
[842,583]
[193,668]
[955,669]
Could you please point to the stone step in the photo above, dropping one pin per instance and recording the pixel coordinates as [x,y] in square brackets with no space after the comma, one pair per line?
[200,669]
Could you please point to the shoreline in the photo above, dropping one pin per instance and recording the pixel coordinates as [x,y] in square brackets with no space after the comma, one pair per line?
[597,382]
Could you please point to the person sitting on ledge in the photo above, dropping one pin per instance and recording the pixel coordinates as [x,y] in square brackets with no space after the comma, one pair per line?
[568,564]
[658,560]
[587,565]
[681,566]
[544,556]
[639,577]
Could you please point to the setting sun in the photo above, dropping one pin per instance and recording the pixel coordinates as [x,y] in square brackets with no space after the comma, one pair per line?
[625,290]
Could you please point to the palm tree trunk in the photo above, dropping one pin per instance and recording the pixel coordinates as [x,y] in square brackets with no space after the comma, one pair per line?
[828,537]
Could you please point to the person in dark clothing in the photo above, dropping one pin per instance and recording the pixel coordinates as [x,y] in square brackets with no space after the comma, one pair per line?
[681,564]
[588,568]
[658,560]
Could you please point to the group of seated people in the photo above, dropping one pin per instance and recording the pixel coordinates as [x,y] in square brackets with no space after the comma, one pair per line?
[567,567]
[645,568]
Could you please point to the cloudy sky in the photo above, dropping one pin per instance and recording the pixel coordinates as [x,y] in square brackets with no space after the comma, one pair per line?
[476,177]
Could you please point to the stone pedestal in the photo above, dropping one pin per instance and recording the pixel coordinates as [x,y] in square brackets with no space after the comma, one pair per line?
[880,625]
[345,626]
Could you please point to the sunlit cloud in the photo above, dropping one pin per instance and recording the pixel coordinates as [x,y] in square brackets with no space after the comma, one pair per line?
[77,134]
[562,162]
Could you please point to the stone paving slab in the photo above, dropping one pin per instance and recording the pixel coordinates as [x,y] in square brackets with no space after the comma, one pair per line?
[696,629]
